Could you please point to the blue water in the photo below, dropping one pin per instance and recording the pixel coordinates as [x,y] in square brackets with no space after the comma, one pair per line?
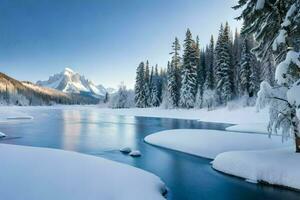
[86,131]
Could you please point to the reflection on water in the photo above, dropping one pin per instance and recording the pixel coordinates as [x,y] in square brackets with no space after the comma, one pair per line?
[87,131]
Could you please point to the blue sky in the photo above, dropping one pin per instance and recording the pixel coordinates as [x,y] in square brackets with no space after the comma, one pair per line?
[102,39]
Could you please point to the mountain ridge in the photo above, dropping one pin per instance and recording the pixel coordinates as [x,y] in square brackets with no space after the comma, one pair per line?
[69,81]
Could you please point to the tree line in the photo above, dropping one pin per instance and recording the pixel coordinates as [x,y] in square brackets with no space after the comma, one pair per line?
[208,76]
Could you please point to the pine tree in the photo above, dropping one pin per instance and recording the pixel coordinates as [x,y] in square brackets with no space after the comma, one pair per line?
[140,95]
[224,71]
[189,72]
[247,73]
[172,90]
[276,24]
[209,81]
[236,56]
[154,97]
[147,85]
[176,70]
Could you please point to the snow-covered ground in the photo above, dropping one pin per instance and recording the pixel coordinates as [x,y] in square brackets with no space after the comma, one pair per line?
[276,166]
[210,143]
[40,173]
[250,128]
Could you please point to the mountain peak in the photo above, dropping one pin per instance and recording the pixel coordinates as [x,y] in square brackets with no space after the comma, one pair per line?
[72,82]
[67,69]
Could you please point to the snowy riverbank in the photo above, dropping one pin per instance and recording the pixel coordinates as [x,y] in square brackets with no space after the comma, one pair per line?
[41,173]
[276,166]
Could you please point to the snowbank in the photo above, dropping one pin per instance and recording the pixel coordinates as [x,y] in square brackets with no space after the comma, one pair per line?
[41,173]
[250,128]
[210,143]
[279,166]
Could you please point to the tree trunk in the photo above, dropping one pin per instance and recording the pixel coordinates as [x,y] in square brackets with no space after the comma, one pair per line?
[295,126]
[297,142]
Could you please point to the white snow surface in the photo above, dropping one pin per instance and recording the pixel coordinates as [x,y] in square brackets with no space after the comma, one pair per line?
[250,128]
[210,143]
[276,166]
[42,173]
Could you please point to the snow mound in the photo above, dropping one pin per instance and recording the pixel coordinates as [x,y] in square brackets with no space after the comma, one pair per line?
[63,175]
[135,153]
[125,150]
[277,166]
[210,143]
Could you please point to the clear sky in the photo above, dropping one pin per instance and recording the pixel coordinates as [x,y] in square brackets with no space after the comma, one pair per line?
[102,39]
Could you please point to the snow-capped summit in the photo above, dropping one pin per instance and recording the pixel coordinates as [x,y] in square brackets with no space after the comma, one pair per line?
[72,82]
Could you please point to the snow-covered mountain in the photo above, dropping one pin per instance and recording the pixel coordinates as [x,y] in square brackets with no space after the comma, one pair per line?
[14,92]
[72,82]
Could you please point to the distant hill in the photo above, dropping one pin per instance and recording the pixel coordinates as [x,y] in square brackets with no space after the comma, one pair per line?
[14,92]
[72,82]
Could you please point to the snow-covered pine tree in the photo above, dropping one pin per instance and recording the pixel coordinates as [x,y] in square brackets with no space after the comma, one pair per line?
[217,64]
[176,67]
[225,87]
[236,58]
[247,72]
[209,63]
[158,81]
[147,85]
[201,75]
[276,24]
[189,73]
[140,96]
[172,88]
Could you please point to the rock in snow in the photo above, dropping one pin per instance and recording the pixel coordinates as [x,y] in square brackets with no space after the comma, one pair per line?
[135,153]
[125,150]
[2,135]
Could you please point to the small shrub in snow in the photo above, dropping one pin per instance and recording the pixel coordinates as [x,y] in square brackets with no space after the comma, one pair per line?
[123,98]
